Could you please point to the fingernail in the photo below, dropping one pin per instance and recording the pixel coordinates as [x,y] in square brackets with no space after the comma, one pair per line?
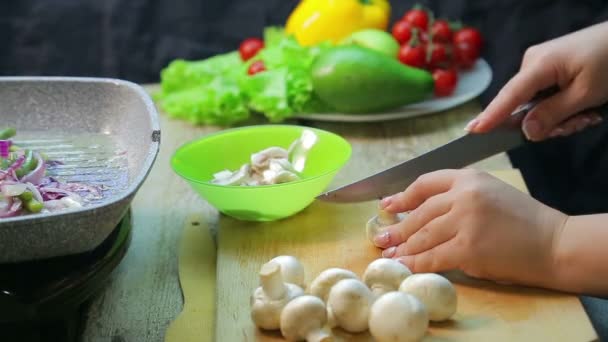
[557,132]
[389,252]
[471,125]
[532,128]
[386,201]
[382,239]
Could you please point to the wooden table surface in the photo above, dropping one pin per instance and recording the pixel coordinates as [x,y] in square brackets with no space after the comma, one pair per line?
[143,295]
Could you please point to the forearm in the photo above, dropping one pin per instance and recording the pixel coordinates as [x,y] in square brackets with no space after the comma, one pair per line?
[581,255]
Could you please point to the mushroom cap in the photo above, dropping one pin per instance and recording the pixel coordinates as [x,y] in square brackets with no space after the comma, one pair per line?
[435,291]
[302,316]
[321,285]
[398,317]
[292,269]
[348,304]
[385,275]
[265,312]
[380,221]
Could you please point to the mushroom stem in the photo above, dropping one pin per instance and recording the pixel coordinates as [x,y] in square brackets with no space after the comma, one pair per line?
[318,336]
[272,281]
[385,218]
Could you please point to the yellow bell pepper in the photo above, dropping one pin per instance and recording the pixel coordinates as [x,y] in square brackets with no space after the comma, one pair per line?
[314,21]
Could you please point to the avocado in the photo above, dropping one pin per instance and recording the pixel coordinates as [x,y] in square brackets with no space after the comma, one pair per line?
[355,79]
[374,39]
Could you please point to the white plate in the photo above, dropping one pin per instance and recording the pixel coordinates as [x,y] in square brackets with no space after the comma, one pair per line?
[470,84]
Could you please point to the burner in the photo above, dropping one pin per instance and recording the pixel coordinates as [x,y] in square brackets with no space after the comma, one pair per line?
[42,298]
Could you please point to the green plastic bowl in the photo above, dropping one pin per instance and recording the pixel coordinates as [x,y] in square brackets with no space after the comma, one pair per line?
[197,161]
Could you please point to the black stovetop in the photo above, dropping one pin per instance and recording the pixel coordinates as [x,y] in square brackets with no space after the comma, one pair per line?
[42,300]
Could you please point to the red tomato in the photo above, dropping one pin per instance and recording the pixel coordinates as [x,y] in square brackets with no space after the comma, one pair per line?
[402,31]
[255,67]
[441,31]
[423,36]
[465,55]
[468,35]
[414,56]
[418,18]
[438,56]
[250,47]
[445,81]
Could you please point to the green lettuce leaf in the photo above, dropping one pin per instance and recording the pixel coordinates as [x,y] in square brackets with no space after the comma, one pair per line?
[181,74]
[288,67]
[219,101]
[218,90]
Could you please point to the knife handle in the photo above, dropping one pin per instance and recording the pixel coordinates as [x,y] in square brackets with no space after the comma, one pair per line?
[518,115]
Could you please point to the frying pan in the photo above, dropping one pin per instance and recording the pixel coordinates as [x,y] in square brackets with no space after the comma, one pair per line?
[104,132]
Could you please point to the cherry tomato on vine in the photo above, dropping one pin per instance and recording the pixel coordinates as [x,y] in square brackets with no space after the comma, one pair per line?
[402,31]
[250,47]
[414,56]
[465,55]
[445,81]
[468,35]
[418,18]
[423,36]
[438,56]
[255,67]
[441,32]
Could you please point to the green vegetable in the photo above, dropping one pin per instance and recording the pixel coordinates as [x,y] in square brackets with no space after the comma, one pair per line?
[374,39]
[355,79]
[29,203]
[218,102]
[29,164]
[204,92]
[218,90]
[181,74]
[26,196]
[285,88]
[33,206]
[7,133]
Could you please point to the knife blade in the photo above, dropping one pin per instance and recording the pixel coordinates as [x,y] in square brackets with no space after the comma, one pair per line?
[458,153]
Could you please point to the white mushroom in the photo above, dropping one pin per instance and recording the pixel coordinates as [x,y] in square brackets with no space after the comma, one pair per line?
[224,174]
[398,317]
[272,165]
[435,291]
[268,300]
[260,160]
[381,220]
[237,178]
[348,305]
[321,285]
[292,270]
[281,165]
[303,318]
[285,177]
[384,275]
[298,150]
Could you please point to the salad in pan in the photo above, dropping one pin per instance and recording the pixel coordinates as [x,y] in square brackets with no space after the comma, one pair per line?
[26,186]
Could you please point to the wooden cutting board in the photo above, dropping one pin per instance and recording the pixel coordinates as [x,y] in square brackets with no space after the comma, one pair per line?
[333,235]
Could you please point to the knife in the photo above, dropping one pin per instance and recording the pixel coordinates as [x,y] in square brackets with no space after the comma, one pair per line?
[457,153]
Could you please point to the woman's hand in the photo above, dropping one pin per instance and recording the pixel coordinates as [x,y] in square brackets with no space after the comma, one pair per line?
[469,220]
[577,63]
